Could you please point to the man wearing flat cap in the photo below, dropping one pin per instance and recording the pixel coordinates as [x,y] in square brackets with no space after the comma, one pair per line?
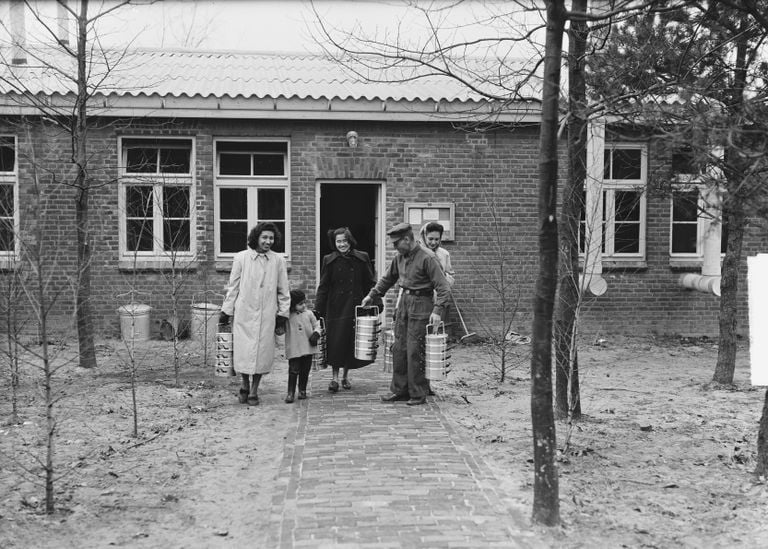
[419,274]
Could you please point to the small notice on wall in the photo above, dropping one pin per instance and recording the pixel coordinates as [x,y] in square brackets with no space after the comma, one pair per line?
[757,285]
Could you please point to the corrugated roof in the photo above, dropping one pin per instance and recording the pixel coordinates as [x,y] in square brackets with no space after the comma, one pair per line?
[180,73]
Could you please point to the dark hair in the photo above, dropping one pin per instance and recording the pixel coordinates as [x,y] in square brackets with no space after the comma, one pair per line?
[297,296]
[433,226]
[333,233]
[253,236]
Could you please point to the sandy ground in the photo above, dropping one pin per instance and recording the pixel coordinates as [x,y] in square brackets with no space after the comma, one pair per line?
[659,460]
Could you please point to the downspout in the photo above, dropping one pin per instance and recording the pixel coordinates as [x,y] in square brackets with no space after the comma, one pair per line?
[62,19]
[591,279]
[18,33]
[709,279]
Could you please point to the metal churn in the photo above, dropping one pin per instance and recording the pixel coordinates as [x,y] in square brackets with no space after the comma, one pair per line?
[389,341]
[224,365]
[367,328]
[320,358]
[436,351]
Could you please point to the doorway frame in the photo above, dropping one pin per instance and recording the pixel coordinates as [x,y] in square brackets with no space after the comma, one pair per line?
[381,210]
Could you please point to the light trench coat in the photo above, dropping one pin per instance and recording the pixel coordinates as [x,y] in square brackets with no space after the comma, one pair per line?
[256,294]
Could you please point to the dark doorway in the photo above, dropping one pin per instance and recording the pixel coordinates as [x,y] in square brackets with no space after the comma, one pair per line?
[349,205]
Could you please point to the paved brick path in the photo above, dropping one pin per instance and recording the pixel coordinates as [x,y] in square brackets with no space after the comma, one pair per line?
[363,473]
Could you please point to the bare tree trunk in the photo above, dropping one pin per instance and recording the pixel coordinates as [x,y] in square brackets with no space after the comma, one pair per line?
[79,136]
[762,441]
[735,219]
[726,351]
[546,504]
[567,398]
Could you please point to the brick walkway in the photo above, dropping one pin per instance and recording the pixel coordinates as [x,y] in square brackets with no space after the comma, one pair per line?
[363,473]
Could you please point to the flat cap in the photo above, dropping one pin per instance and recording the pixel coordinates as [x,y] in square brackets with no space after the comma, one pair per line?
[399,230]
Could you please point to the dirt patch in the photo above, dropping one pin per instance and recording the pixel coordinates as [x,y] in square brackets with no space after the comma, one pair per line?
[659,460]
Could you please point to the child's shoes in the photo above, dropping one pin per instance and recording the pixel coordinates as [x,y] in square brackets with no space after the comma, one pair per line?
[302,395]
[289,398]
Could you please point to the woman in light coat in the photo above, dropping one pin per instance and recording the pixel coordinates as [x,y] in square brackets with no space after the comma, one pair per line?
[258,297]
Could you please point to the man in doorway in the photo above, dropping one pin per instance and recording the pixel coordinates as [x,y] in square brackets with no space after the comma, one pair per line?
[419,274]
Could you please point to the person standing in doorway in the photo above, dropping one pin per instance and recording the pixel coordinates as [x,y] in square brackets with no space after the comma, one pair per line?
[419,274]
[346,276]
[258,297]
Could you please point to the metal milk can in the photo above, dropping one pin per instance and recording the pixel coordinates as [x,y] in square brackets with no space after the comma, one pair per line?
[320,358]
[367,328]
[224,366]
[436,352]
[389,341]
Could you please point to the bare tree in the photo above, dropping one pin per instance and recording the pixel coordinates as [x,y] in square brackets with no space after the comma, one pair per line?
[84,67]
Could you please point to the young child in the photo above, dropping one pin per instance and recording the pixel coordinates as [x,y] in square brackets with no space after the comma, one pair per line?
[302,332]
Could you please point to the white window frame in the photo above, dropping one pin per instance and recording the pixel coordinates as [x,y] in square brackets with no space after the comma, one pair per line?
[12,178]
[687,185]
[157,181]
[609,188]
[252,184]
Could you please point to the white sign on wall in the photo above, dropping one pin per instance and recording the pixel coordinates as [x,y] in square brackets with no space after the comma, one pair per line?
[757,285]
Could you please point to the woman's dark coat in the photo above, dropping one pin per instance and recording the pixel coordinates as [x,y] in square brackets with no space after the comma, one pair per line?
[344,281]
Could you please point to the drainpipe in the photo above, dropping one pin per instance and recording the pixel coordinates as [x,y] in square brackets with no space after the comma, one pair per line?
[18,33]
[591,279]
[709,279]
[62,18]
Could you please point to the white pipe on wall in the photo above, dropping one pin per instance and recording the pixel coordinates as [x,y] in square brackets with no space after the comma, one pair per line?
[18,33]
[709,279]
[592,278]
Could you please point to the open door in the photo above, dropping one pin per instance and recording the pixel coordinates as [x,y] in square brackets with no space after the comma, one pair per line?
[353,205]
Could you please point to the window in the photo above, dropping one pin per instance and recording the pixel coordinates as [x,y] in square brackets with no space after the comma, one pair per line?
[8,200]
[624,181]
[689,220]
[252,185]
[156,198]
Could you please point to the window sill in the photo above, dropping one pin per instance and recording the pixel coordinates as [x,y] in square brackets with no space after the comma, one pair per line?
[618,264]
[181,264]
[685,263]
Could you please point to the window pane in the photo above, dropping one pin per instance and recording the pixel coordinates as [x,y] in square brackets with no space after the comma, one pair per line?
[174,160]
[682,161]
[138,201]
[626,164]
[268,164]
[176,235]
[626,238]
[271,204]
[685,206]
[627,206]
[7,158]
[6,200]
[280,245]
[6,235]
[684,238]
[233,204]
[234,164]
[234,236]
[139,235]
[141,160]
[175,202]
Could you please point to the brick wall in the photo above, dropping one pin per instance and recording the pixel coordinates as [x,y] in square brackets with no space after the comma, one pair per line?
[490,177]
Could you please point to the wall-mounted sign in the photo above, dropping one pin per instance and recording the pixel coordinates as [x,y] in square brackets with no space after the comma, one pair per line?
[418,213]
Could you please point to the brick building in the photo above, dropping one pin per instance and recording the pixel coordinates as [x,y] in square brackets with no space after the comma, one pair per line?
[189,150]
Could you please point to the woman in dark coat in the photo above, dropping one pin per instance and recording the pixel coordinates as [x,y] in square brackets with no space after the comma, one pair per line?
[346,276]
